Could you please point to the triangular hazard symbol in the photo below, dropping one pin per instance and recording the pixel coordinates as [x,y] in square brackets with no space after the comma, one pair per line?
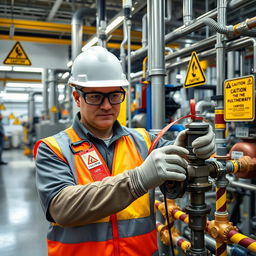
[195,75]
[228,86]
[92,159]
[17,56]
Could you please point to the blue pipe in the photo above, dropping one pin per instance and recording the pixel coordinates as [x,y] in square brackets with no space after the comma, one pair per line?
[239,251]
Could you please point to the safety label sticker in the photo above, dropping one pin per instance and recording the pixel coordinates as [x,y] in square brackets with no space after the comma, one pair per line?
[195,75]
[239,99]
[91,159]
[17,56]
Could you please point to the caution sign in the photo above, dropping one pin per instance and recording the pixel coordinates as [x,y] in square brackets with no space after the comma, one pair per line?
[195,75]
[239,99]
[91,159]
[17,56]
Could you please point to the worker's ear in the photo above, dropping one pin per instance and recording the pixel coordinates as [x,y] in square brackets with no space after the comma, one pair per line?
[77,98]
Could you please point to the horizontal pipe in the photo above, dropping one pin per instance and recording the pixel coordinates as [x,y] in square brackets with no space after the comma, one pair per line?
[198,23]
[231,46]
[184,30]
[242,185]
[206,43]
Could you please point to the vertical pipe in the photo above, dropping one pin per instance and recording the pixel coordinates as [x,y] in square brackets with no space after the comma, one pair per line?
[230,64]
[242,63]
[101,22]
[77,36]
[45,111]
[221,149]
[122,46]
[129,24]
[31,110]
[144,39]
[156,61]
[187,12]
[53,96]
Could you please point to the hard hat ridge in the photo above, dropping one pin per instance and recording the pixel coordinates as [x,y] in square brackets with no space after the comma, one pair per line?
[97,67]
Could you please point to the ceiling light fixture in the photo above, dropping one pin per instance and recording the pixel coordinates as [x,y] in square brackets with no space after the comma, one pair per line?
[24,85]
[5,68]
[28,69]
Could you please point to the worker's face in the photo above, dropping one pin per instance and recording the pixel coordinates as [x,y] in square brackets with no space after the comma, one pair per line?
[100,117]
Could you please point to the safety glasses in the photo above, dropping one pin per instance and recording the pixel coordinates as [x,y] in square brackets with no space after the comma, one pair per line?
[97,98]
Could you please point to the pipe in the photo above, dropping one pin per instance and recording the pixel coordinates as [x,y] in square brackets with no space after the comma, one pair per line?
[122,46]
[202,104]
[242,185]
[53,96]
[54,9]
[156,61]
[144,39]
[168,4]
[77,31]
[177,33]
[199,46]
[129,100]
[231,46]
[45,111]
[181,31]
[242,240]
[101,22]
[187,12]
[77,37]
[32,109]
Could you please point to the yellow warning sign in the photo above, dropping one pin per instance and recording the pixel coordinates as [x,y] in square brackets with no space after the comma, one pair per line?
[239,102]
[17,56]
[195,75]
[54,109]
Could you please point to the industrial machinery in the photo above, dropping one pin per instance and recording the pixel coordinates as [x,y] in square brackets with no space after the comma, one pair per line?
[199,220]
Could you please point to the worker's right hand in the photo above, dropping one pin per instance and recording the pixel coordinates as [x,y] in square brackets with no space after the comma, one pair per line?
[166,163]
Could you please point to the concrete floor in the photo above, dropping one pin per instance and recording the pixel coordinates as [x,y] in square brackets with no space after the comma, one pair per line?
[22,224]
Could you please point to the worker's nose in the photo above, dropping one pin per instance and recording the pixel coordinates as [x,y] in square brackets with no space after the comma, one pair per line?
[106,104]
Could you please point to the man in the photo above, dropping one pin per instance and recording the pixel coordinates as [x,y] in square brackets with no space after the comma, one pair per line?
[93,178]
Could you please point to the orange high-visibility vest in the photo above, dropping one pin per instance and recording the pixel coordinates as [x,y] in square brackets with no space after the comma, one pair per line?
[130,232]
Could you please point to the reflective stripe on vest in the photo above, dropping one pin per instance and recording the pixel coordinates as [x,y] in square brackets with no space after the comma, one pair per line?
[136,223]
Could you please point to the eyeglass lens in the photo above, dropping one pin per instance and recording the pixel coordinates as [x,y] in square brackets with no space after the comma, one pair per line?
[98,98]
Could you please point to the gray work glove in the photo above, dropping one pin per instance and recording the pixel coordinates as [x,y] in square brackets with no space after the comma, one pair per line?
[203,146]
[166,163]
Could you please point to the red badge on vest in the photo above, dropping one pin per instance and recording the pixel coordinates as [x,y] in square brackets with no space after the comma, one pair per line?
[94,164]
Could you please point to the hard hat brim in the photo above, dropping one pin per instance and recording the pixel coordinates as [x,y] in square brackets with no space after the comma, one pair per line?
[101,83]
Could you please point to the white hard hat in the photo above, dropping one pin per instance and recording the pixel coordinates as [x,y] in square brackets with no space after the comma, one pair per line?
[97,67]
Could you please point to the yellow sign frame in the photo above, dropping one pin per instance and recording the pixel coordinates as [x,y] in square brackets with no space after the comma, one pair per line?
[239,99]
[17,56]
[195,75]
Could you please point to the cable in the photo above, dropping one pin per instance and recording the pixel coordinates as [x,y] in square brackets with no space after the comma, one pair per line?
[168,222]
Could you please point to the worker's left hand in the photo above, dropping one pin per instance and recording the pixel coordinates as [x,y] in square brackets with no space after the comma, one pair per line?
[203,146]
